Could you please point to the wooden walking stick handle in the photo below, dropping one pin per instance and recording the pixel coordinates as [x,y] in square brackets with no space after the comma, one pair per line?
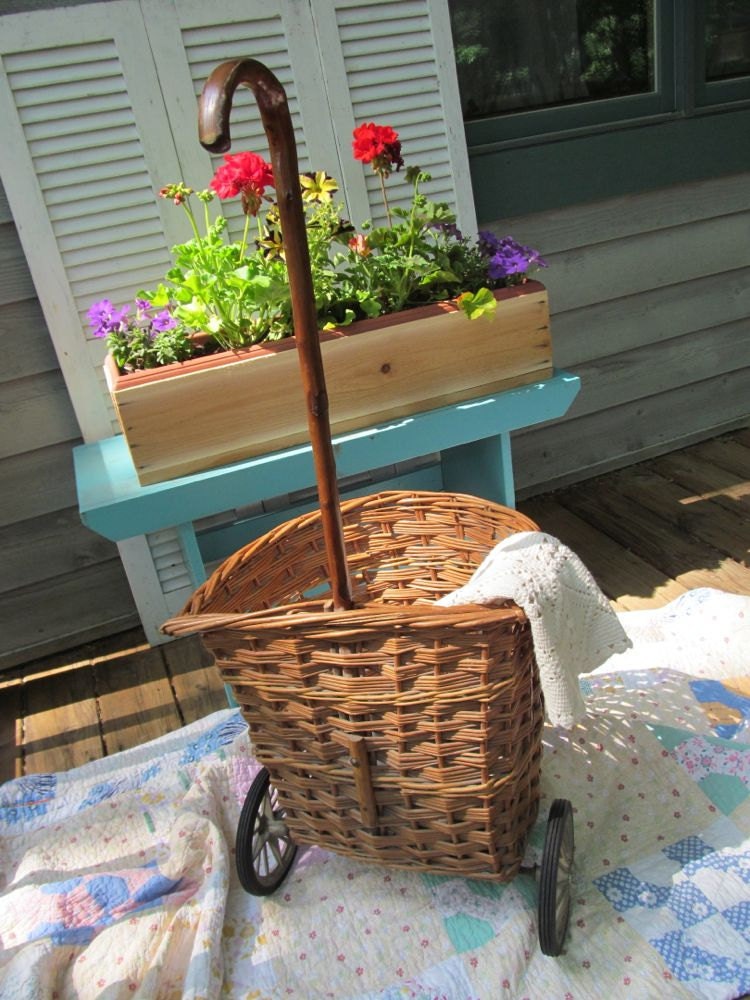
[214,109]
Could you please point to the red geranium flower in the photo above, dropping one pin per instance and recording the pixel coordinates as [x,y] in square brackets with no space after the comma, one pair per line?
[378,145]
[246,174]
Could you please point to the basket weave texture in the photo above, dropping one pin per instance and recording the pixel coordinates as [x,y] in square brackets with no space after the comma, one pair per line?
[396,732]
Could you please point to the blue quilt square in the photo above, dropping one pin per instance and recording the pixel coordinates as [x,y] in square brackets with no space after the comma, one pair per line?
[738,917]
[623,890]
[689,962]
[689,849]
[689,904]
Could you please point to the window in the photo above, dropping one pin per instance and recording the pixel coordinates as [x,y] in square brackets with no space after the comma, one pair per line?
[620,95]
[723,52]
[577,57]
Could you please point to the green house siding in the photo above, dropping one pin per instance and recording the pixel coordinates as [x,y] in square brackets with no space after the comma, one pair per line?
[625,160]
[650,304]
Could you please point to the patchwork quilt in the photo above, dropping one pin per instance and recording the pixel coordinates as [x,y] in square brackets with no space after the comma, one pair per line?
[117,879]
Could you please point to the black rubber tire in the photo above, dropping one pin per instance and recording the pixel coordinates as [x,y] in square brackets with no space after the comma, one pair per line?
[555,878]
[263,856]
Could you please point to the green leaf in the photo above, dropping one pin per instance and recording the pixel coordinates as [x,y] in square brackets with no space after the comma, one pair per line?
[347,319]
[369,305]
[446,276]
[476,304]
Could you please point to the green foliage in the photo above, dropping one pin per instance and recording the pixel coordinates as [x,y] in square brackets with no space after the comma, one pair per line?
[421,258]
[240,294]
[214,286]
[138,349]
[238,291]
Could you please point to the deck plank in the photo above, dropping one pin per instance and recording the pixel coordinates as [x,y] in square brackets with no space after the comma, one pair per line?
[663,544]
[731,452]
[136,702]
[707,480]
[195,680]
[631,582]
[61,724]
[726,530]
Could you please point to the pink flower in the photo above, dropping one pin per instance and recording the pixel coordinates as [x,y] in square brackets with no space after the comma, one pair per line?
[360,245]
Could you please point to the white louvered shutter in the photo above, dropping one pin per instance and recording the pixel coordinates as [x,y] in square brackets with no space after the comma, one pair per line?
[391,62]
[86,143]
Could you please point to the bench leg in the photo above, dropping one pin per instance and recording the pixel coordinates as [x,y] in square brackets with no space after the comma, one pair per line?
[196,568]
[481,468]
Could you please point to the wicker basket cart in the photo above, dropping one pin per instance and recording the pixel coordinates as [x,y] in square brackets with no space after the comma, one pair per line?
[388,728]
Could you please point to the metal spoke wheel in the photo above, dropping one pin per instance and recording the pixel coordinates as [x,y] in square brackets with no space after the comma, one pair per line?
[555,878]
[264,851]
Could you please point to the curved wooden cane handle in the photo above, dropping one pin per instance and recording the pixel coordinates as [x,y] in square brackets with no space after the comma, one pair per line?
[214,109]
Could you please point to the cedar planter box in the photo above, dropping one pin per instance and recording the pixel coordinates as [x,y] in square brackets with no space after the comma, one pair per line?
[205,412]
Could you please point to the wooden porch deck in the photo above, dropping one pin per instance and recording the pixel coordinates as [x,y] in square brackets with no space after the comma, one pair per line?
[647,533]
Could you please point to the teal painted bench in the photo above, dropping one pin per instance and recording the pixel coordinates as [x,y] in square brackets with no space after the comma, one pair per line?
[472,439]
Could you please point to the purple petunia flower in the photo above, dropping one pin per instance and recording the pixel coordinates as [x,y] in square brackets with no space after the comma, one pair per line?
[506,256]
[105,318]
[488,242]
[448,228]
[163,320]
[506,262]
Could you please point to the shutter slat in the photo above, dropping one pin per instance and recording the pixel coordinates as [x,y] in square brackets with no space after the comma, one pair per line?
[122,171]
[78,225]
[38,67]
[117,189]
[92,263]
[69,114]
[104,156]
[90,206]
[367,14]
[95,242]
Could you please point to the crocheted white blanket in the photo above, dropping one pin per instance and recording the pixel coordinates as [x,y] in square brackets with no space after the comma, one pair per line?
[572,624]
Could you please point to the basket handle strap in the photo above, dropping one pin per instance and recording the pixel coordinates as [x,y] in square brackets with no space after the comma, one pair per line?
[359,760]
[214,109]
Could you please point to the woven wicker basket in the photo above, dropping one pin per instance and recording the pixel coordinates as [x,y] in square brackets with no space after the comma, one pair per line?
[397,731]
